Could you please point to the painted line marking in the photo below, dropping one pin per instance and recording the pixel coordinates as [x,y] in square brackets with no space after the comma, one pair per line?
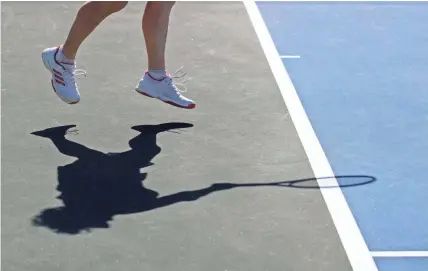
[289,56]
[332,1]
[352,240]
[399,253]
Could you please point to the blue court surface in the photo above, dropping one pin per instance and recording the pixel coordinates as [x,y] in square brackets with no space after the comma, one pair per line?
[360,70]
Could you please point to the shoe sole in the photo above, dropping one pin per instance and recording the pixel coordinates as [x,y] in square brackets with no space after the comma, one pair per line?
[191,106]
[46,63]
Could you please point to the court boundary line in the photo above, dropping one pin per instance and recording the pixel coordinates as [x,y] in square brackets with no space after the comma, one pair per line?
[289,56]
[398,254]
[352,240]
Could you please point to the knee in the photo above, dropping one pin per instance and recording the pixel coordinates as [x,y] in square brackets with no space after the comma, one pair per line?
[109,7]
[116,6]
[161,5]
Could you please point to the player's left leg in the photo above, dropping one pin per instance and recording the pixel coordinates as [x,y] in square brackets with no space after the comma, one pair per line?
[60,60]
[157,83]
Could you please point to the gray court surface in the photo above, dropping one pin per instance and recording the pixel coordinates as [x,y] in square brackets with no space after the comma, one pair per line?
[122,190]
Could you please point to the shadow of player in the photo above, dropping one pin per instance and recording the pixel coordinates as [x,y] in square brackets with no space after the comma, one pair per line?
[98,186]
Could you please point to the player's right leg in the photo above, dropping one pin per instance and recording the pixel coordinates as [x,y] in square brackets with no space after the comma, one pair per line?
[157,83]
[60,60]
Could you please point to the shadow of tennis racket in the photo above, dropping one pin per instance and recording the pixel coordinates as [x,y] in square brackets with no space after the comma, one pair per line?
[342,181]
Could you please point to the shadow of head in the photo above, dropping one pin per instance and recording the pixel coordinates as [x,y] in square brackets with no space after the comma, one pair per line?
[66,220]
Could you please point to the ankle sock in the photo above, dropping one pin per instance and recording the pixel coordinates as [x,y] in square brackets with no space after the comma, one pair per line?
[62,58]
[158,74]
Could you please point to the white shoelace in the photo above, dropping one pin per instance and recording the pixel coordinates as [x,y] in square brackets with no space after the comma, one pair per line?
[75,73]
[177,79]
[79,73]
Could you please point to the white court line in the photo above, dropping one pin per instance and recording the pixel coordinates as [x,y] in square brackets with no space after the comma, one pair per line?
[286,56]
[399,253]
[352,240]
[329,1]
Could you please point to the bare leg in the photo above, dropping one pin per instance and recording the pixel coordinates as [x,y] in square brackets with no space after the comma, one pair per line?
[89,16]
[155,28]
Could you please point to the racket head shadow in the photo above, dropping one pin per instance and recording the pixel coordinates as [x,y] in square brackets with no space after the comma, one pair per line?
[342,181]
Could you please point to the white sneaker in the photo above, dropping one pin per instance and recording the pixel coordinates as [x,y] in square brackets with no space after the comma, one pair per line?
[165,90]
[63,76]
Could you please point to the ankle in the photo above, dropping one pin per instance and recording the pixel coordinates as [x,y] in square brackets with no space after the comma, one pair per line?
[157,74]
[64,57]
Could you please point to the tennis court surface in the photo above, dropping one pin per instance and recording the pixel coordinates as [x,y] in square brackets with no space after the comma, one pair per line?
[306,150]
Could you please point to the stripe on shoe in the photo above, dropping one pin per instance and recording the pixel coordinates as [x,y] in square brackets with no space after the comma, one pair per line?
[58,77]
[57,72]
[59,82]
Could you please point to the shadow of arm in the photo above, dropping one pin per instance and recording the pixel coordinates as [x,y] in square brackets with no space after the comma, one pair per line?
[193,195]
